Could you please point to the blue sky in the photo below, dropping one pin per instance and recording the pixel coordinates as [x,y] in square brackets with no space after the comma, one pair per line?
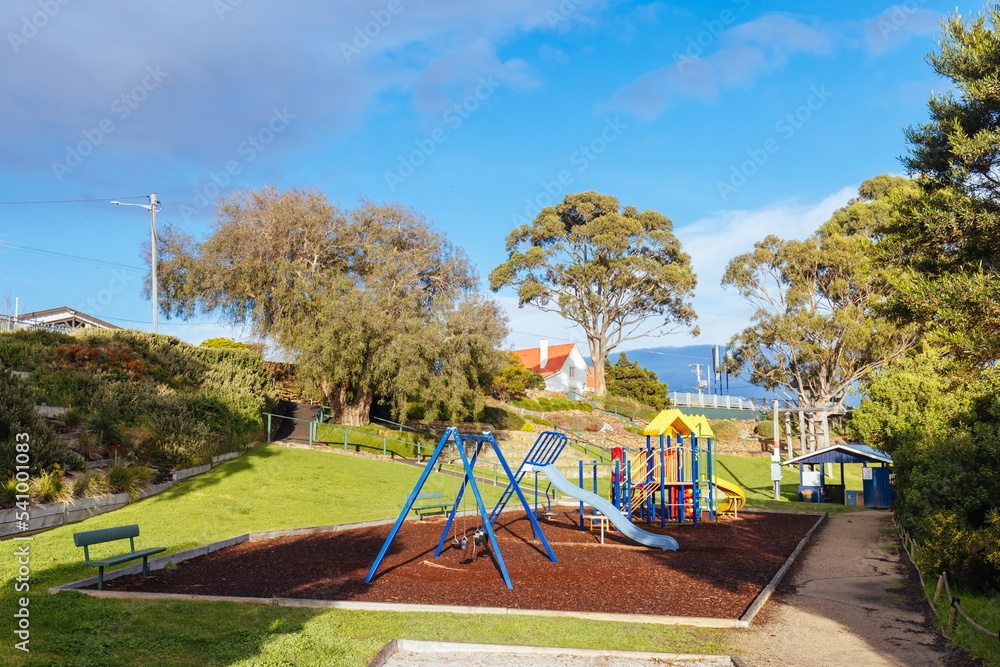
[735,118]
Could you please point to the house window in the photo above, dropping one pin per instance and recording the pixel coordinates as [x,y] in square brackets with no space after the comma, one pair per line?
[572,372]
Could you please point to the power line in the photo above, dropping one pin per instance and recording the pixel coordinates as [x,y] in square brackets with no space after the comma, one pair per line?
[63,255]
[72,201]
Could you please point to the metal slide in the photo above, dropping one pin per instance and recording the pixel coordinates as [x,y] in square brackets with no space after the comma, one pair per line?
[621,521]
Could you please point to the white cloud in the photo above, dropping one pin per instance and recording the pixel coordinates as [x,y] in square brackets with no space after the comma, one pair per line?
[896,25]
[712,241]
[744,52]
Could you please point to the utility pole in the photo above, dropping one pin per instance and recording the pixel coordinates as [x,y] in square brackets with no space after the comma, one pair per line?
[701,383]
[151,207]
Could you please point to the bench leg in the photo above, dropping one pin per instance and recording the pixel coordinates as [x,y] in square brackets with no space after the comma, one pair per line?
[145,567]
[100,577]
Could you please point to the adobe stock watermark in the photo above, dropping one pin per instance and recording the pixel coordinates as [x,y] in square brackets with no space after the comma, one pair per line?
[786,127]
[580,159]
[899,16]
[563,12]
[454,117]
[122,107]
[364,34]
[223,7]
[247,151]
[30,25]
[120,279]
[696,44]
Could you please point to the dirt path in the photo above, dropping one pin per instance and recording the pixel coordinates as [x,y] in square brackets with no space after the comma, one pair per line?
[851,599]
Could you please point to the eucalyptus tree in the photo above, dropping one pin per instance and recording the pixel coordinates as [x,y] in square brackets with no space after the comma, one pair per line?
[371,301]
[818,326]
[617,272]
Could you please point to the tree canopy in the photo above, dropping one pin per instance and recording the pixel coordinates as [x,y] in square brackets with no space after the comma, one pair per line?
[629,379]
[946,236]
[816,329]
[371,301]
[617,272]
[515,379]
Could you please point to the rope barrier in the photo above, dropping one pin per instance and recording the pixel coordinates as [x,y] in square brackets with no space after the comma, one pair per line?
[954,603]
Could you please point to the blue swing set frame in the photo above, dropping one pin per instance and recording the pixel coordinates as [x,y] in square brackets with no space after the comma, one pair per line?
[546,447]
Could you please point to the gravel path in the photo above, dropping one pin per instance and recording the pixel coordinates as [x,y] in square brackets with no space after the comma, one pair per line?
[851,599]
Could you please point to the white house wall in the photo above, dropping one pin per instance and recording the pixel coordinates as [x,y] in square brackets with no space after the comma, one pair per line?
[561,380]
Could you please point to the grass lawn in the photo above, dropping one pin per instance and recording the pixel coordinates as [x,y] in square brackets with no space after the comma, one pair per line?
[984,609]
[753,475]
[270,488]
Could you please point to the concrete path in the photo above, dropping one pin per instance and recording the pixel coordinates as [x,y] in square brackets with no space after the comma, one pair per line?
[850,599]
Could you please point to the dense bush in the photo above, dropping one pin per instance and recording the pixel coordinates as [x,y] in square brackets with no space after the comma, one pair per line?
[765,429]
[725,429]
[165,402]
[503,419]
[17,416]
[628,406]
[940,422]
[628,379]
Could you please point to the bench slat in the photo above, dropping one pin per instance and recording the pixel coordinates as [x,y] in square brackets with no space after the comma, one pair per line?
[86,538]
[126,557]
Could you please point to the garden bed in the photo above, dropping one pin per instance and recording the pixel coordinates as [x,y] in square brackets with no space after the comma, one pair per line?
[717,573]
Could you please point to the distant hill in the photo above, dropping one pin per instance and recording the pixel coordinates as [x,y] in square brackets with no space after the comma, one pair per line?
[673,366]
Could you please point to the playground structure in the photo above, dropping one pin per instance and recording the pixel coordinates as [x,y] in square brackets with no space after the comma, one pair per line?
[540,459]
[674,483]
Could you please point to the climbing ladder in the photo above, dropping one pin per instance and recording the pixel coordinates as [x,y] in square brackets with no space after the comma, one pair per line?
[545,451]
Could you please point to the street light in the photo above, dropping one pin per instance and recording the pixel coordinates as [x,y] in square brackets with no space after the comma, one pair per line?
[151,207]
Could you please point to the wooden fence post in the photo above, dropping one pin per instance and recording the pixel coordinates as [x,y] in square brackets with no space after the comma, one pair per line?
[951,615]
[940,587]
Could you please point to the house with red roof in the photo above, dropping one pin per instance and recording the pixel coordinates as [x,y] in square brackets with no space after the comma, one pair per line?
[562,366]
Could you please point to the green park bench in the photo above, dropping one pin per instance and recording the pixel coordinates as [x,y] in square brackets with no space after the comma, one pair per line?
[429,502]
[89,538]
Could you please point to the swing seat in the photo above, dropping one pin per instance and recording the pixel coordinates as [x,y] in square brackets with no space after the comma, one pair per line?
[431,502]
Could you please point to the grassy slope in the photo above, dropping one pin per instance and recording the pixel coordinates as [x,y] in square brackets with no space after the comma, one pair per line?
[269,488]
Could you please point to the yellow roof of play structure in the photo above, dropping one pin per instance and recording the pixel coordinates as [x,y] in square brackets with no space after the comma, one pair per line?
[674,422]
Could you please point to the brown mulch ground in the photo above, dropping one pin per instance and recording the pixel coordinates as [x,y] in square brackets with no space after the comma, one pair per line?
[718,571]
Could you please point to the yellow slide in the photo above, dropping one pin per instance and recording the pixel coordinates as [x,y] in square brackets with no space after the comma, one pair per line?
[735,498]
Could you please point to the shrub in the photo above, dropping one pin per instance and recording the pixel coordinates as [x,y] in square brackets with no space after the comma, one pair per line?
[528,404]
[72,419]
[20,424]
[725,429]
[527,427]
[764,429]
[544,403]
[503,419]
[130,479]
[539,420]
[970,557]
[75,462]
[8,492]
[90,485]
[636,430]
[49,486]
[628,379]
[89,446]
[627,406]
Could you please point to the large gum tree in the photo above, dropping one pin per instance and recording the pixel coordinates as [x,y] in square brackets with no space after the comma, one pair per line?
[818,326]
[616,271]
[371,301]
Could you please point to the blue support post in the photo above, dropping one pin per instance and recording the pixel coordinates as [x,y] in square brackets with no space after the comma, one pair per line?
[681,513]
[695,486]
[663,485]
[711,484]
[581,486]
[409,501]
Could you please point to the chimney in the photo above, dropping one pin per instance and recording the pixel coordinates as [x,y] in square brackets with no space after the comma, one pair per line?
[543,353]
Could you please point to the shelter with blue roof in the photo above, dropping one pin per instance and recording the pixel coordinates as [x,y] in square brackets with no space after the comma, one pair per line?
[877,481]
